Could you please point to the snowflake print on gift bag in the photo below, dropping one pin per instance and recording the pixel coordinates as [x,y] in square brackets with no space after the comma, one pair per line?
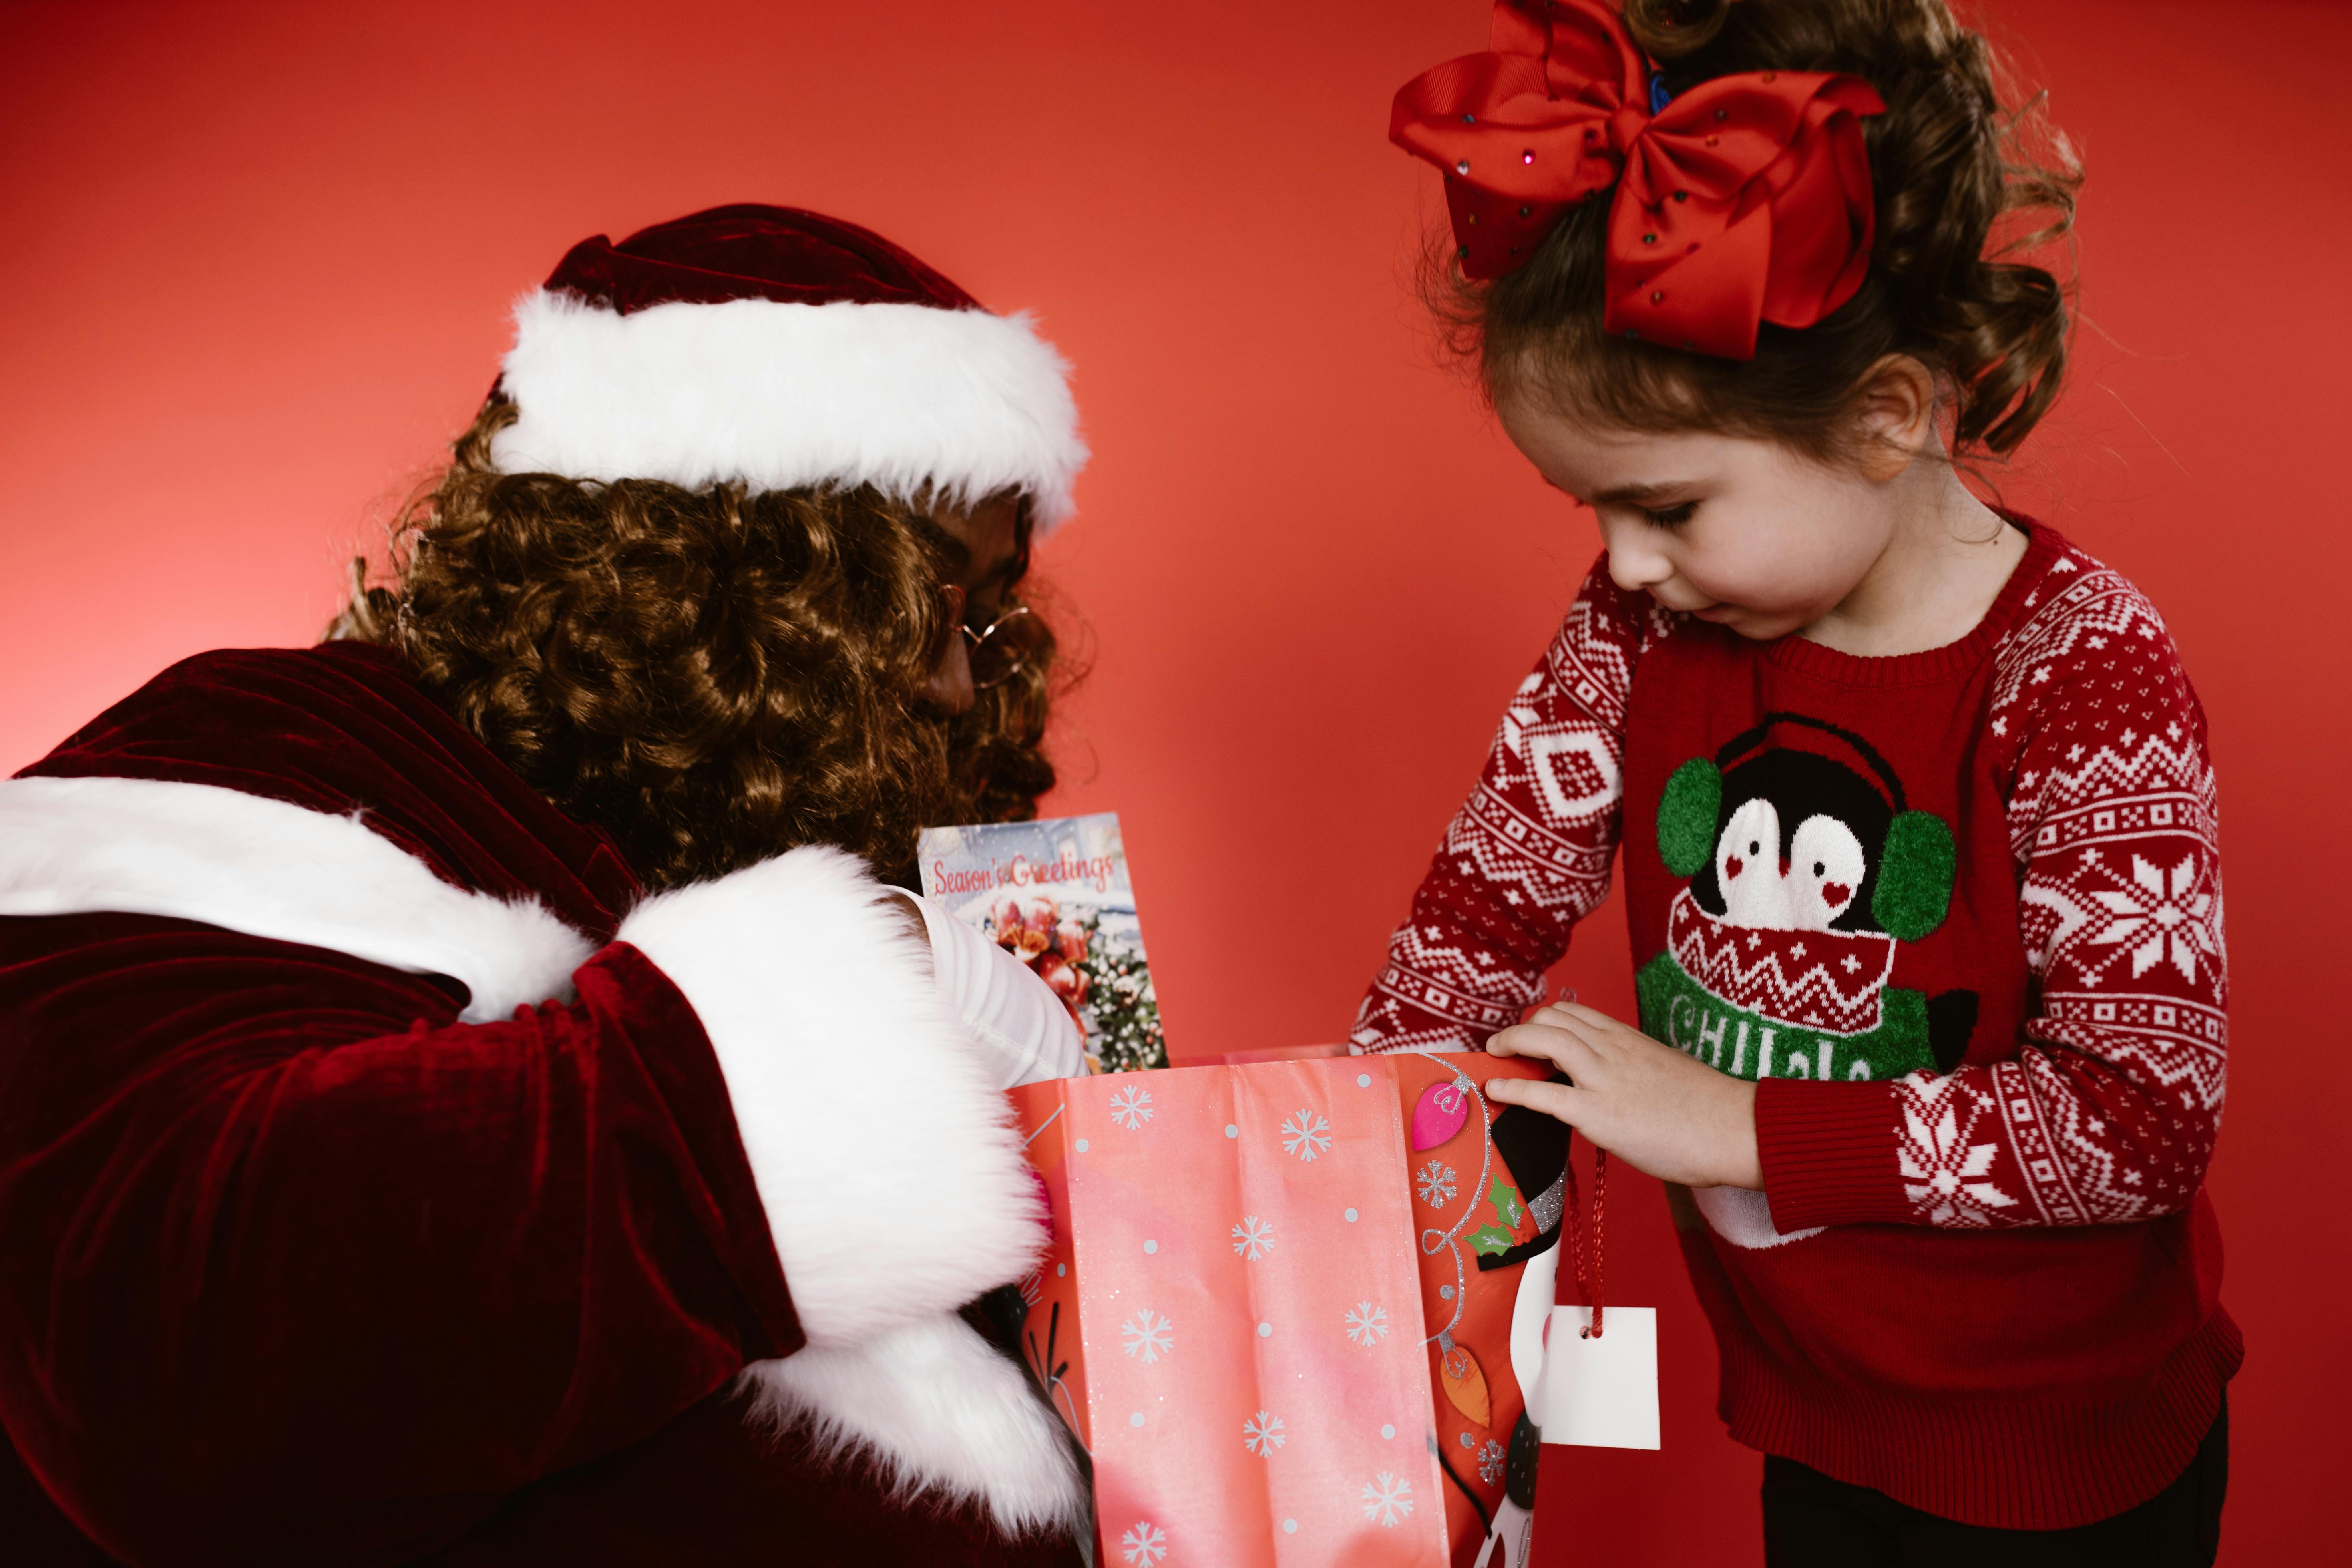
[1367,1324]
[1305,1134]
[1387,1499]
[1144,1545]
[1132,1108]
[1262,1434]
[1148,1336]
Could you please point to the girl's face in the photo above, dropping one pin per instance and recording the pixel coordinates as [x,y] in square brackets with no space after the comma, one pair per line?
[1743,532]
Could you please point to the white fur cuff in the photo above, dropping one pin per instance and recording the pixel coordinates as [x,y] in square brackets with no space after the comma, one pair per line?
[941,1412]
[885,1158]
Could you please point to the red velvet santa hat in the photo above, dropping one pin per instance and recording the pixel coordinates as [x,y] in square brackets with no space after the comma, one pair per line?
[781,348]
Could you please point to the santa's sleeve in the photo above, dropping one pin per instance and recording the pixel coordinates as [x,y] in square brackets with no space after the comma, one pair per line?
[296,1266]
[1528,856]
[2109,1110]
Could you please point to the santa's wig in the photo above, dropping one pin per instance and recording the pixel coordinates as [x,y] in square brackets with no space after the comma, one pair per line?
[682,573]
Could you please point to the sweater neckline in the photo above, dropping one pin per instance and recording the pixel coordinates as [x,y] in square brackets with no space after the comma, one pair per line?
[1794,652]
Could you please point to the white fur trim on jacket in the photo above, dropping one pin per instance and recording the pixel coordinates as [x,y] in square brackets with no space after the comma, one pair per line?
[780,396]
[267,868]
[943,1414]
[887,1159]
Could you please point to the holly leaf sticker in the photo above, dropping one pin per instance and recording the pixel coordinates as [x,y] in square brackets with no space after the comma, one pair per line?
[1508,1207]
[1491,1240]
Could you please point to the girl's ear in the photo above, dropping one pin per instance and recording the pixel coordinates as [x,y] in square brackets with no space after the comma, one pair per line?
[1895,410]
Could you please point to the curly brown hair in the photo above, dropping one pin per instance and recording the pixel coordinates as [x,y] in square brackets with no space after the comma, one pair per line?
[710,675]
[1966,191]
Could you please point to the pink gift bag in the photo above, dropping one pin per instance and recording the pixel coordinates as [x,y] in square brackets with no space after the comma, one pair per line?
[1230,1315]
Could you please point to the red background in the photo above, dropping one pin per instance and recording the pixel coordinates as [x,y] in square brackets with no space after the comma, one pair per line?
[257,264]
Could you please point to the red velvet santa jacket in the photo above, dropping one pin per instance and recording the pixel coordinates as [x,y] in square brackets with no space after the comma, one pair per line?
[1957,915]
[382,1181]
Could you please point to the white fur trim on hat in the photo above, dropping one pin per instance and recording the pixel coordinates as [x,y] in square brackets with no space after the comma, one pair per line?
[779,396]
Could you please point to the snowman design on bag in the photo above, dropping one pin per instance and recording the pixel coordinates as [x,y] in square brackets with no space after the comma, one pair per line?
[1807,871]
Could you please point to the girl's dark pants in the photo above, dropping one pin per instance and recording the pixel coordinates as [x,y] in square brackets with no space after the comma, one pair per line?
[1813,1521]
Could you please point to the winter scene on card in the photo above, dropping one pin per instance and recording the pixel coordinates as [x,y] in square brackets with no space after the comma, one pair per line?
[1055,893]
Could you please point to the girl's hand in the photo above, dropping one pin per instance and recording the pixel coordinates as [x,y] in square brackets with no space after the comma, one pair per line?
[1662,1112]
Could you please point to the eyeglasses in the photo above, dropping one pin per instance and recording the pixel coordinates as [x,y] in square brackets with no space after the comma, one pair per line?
[995,661]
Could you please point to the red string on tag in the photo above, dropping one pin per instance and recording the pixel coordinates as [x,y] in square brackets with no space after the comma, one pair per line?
[1589,1282]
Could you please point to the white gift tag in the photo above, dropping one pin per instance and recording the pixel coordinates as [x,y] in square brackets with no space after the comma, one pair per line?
[1603,1392]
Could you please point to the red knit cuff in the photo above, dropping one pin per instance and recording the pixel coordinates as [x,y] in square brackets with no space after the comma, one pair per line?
[1828,1151]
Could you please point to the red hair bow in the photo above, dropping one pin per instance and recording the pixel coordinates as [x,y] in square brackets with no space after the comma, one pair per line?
[1745,200]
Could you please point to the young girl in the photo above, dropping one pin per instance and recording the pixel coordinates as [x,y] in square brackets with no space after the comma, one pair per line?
[1913,794]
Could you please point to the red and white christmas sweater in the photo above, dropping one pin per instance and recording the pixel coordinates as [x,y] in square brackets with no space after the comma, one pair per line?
[1958,914]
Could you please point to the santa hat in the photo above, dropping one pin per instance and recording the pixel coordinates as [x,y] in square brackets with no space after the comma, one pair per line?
[778,349]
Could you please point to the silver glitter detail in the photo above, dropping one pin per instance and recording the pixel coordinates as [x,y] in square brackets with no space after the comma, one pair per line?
[1547,1204]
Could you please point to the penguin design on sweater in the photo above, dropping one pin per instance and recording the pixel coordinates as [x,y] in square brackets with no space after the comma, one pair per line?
[1819,870]
[1808,873]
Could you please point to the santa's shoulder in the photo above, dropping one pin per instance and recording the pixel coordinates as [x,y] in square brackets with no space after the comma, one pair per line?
[344,729]
[240,709]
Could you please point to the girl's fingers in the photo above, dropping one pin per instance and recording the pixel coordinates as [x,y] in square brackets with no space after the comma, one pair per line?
[1511,1042]
[1563,1048]
[1567,1025]
[1557,1101]
[1583,1019]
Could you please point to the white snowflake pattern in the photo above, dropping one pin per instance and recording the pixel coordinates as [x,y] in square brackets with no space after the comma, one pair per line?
[1940,1166]
[1436,1183]
[1262,1434]
[2154,912]
[1387,1499]
[1306,1135]
[1145,1544]
[1149,1335]
[1253,1238]
[1368,1324]
[1132,1108]
[1491,1459]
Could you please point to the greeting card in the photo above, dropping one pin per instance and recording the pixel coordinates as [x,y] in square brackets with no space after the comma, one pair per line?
[1055,893]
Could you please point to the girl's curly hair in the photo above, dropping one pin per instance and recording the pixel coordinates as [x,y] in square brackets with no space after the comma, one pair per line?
[1966,191]
[710,675]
